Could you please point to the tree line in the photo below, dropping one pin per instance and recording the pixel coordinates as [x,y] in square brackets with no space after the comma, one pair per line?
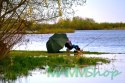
[78,23]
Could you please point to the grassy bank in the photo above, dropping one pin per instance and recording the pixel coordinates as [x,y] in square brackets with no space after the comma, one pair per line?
[55,30]
[38,53]
[20,62]
[50,30]
[76,23]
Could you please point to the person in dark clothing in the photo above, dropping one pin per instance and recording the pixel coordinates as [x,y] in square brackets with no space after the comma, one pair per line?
[70,46]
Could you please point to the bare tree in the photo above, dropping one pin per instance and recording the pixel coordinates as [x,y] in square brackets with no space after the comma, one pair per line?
[14,15]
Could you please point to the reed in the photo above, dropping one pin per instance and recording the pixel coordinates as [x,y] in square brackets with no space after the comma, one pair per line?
[55,30]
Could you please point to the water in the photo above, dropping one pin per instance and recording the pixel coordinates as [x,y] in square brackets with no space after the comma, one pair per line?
[110,73]
[89,40]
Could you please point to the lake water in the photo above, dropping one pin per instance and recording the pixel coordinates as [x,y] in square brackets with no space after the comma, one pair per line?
[89,40]
[109,73]
[112,41]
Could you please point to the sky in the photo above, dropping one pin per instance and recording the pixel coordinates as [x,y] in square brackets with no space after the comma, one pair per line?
[103,10]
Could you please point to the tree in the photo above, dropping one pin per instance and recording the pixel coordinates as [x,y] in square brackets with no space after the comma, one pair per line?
[14,15]
[11,24]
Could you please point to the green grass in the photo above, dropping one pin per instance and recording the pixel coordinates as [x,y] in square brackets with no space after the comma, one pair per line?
[38,53]
[20,62]
[55,30]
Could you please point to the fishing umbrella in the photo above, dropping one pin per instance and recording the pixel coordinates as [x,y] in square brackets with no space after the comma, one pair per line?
[56,42]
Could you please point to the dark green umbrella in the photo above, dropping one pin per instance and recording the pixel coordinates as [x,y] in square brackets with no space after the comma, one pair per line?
[56,42]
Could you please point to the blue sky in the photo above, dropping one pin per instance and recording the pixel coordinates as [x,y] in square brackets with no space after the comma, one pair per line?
[103,10]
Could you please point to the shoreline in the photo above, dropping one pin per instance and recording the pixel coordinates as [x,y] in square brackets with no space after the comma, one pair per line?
[19,63]
[61,52]
[33,32]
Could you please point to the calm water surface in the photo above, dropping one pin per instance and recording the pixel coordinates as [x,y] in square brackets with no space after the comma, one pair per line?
[116,67]
[89,40]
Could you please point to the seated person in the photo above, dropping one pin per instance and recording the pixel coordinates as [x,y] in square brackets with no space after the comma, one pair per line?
[70,46]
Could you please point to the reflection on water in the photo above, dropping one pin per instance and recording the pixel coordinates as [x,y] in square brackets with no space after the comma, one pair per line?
[102,73]
[87,72]
[116,68]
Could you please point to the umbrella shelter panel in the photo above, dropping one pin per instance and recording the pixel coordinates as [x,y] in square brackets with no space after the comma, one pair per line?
[56,42]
